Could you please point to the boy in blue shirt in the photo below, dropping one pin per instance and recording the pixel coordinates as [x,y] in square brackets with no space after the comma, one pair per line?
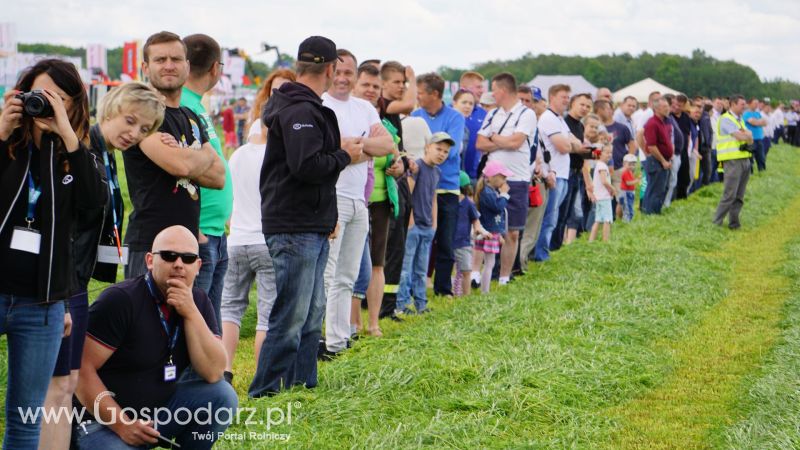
[423,225]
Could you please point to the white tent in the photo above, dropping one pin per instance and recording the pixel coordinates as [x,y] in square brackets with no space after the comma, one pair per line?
[577,83]
[641,89]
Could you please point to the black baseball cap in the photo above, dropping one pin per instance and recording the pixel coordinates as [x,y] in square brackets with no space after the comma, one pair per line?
[317,49]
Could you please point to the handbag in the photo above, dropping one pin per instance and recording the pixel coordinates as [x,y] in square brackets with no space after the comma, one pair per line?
[534,196]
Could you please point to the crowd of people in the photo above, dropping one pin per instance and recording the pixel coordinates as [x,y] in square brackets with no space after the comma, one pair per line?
[354,186]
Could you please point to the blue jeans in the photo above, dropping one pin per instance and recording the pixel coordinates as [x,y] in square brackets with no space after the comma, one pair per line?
[289,353]
[193,394]
[657,182]
[566,210]
[34,336]
[555,198]
[759,154]
[627,199]
[211,277]
[415,268]
[447,205]
[364,274]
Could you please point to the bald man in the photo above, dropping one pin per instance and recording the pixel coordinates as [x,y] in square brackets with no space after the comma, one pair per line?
[153,347]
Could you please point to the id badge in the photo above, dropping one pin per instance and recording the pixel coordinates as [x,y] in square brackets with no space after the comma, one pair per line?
[170,372]
[26,240]
[108,254]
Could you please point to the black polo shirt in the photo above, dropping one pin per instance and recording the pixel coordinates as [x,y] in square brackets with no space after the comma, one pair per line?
[576,128]
[124,319]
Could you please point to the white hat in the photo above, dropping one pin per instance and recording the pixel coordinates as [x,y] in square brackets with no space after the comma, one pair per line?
[630,158]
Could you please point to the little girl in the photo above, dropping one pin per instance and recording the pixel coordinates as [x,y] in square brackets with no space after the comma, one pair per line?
[492,198]
[603,193]
[467,223]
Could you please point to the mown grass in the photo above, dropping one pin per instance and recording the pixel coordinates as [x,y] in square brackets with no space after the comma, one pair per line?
[541,363]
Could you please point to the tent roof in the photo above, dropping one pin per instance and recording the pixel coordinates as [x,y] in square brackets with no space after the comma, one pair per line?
[641,89]
[577,83]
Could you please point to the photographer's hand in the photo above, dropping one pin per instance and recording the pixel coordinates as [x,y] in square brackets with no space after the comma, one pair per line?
[59,123]
[11,118]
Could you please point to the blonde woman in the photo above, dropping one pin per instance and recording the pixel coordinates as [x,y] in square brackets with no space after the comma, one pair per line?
[126,115]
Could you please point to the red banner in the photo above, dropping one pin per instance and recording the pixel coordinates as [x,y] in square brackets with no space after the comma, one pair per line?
[130,65]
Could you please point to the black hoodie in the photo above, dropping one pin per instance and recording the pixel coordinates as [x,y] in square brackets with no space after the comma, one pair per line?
[301,164]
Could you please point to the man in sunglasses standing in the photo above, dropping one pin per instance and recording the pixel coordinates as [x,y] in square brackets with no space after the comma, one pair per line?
[152,352]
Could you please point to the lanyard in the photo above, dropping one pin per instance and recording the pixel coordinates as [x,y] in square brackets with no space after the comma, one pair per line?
[174,338]
[112,185]
[34,192]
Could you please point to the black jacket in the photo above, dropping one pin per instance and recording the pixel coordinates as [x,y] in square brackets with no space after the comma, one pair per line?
[301,164]
[95,225]
[62,195]
[706,133]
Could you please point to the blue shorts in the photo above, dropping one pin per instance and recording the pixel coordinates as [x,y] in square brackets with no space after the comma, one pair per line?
[603,212]
[69,355]
[517,207]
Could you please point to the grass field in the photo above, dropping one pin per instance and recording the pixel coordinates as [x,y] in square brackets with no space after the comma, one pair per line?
[677,334]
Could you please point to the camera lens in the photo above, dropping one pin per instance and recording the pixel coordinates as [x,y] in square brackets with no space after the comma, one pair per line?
[34,106]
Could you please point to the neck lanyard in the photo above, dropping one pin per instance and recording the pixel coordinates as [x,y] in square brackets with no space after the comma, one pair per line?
[173,339]
[112,185]
[34,192]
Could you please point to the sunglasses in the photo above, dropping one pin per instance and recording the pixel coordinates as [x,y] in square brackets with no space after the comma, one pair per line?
[170,256]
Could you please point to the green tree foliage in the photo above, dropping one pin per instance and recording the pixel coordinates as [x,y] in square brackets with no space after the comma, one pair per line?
[698,74]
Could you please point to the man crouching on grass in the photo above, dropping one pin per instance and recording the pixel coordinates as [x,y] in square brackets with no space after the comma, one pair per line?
[153,361]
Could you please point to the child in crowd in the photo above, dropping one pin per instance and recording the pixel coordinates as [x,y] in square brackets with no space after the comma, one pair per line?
[492,198]
[628,186]
[467,223]
[603,193]
[423,225]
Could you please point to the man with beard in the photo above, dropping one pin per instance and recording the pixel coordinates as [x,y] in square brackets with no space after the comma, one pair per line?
[164,181]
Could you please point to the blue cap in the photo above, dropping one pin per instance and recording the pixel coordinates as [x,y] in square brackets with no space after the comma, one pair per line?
[537,93]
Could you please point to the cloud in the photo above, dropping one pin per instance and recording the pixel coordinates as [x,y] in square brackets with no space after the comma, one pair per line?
[429,34]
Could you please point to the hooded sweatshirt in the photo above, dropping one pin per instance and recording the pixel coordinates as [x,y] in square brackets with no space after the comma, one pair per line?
[301,164]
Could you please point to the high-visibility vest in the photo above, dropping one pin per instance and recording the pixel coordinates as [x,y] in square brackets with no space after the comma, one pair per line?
[727,145]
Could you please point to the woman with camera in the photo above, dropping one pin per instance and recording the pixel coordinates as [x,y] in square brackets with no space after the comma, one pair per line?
[125,116]
[46,174]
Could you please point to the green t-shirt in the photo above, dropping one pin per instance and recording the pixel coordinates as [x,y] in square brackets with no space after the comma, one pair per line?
[215,204]
[379,191]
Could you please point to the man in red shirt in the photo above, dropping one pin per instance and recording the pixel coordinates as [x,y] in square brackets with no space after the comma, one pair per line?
[229,128]
[659,149]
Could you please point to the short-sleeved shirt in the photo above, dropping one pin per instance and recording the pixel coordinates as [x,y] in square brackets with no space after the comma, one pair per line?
[600,191]
[467,213]
[425,182]
[215,208]
[621,136]
[550,125]
[519,119]
[658,132]
[228,124]
[394,119]
[758,131]
[356,116]
[576,128]
[627,176]
[159,198]
[727,126]
[125,319]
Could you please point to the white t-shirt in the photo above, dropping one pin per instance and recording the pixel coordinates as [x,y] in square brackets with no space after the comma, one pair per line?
[600,191]
[245,165]
[519,119]
[640,117]
[255,129]
[549,125]
[356,117]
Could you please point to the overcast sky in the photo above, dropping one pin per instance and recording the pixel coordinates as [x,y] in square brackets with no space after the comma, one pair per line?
[764,34]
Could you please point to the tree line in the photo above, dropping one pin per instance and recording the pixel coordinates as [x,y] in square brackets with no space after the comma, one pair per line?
[699,74]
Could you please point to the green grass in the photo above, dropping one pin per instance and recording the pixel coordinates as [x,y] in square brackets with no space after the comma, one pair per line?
[554,359]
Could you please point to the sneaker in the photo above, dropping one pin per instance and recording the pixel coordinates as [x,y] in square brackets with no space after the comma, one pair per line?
[327,355]
[404,312]
[395,318]
[228,376]
[475,284]
[424,311]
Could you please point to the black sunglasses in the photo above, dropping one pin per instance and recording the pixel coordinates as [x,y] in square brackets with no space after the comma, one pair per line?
[170,256]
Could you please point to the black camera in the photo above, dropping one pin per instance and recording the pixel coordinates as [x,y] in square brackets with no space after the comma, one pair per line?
[746,148]
[36,104]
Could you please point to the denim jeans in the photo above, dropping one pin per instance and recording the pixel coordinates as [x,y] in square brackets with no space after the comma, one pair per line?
[415,268]
[657,180]
[211,277]
[289,353]
[758,155]
[627,199]
[447,205]
[248,263]
[34,337]
[556,197]
[566,209]
[342,270]
[364,274]
[193,394]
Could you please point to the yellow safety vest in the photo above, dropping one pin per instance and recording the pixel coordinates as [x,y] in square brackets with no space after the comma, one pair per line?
[727,145]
